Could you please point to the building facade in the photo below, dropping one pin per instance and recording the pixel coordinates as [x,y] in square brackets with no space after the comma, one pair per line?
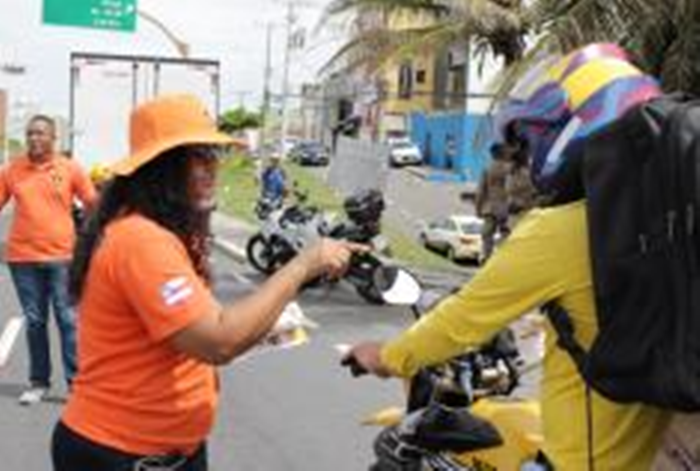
[436,96]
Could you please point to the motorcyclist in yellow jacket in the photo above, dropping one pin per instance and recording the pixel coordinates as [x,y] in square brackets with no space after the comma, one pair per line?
[546,258]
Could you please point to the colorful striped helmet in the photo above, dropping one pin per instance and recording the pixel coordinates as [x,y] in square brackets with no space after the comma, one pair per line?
[561,102]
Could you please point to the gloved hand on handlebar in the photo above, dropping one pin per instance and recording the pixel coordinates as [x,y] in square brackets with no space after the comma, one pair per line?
[365,358]
[329,257]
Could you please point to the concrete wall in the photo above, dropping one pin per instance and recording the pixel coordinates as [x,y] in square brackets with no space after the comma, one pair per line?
[456,142]
[358,165]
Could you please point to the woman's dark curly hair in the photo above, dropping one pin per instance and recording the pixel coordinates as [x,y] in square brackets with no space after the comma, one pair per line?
[157,192]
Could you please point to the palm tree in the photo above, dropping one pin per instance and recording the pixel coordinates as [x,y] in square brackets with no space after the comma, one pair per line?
[496,26]
[662,36]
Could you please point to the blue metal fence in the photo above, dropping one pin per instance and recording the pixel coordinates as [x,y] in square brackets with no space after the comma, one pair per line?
[448,142]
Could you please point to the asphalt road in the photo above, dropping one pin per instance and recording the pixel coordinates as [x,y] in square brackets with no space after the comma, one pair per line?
[283,410]
[413,201]
[298,410]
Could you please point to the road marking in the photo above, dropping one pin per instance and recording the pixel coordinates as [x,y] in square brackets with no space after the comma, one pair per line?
[9,337]
[342,348]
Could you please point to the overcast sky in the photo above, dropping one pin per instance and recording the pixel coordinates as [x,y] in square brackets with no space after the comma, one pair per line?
[231,31]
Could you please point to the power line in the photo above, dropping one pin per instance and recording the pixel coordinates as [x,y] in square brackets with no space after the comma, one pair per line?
[388,95]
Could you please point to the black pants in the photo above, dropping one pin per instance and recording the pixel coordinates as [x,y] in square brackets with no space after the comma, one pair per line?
[493,225]
[73,452]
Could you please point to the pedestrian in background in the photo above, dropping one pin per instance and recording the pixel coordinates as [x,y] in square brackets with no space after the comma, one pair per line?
[151,332]
[491,202]
[520,190]
[43,185]
[450,152]
[274,180]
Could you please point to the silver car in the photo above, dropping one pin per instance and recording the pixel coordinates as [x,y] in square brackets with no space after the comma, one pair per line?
[458,237]
[404,152]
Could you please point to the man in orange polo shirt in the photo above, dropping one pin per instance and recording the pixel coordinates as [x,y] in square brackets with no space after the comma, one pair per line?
[43,185]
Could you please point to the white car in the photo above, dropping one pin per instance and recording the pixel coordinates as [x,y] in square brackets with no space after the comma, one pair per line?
[458,237]
[404,152]
[285,147]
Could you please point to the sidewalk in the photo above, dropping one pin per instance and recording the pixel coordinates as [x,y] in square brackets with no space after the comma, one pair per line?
[443,176]
[231,235]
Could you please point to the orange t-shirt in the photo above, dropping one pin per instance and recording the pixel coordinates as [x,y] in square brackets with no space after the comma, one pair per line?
[42,228]
[134,392]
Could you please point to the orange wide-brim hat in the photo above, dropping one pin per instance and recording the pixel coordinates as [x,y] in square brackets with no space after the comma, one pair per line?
[167,122]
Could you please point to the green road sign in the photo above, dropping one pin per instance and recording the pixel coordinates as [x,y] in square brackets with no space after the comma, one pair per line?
[117,15]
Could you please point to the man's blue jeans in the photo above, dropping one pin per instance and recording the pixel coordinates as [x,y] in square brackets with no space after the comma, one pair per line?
[40,286]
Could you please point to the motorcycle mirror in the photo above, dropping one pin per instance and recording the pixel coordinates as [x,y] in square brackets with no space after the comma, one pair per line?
[397,286]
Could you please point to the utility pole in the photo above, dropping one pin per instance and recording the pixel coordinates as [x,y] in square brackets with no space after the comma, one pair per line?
[289,26]
[266,87]
[467,75]
[293,40]
[183,49]
[7,106]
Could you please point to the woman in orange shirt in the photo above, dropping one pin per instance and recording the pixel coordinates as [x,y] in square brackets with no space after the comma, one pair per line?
[150,330]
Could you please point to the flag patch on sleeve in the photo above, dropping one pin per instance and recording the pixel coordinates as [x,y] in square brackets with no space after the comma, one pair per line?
[176,290]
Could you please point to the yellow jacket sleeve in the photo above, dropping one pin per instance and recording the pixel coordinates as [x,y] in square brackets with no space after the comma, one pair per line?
[530,268]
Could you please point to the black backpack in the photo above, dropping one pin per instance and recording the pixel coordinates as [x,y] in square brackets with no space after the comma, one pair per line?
[641,176]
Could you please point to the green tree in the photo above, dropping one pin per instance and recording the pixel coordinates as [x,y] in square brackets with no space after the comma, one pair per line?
[239,119]
[662,36]
[495,26]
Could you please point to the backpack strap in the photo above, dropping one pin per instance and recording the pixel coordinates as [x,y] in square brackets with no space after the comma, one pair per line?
[566,340]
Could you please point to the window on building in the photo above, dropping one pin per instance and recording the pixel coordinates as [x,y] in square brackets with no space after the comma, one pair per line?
[405,81]
[420,76]
[457,88]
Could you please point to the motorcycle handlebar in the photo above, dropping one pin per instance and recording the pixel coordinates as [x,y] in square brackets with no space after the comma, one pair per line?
[362,265]
[356,369]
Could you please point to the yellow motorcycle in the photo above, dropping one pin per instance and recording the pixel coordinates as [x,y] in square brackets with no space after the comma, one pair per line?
[458,416]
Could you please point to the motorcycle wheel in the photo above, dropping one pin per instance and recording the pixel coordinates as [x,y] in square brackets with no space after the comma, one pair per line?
[385,458]
[383,466]
[260,254]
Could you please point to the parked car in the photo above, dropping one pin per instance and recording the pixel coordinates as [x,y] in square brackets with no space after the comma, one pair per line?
[458,237]
[402,151]
[287,145]
[310,153]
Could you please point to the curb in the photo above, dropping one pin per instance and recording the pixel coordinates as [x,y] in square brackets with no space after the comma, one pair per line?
[452,278]
[429,276]
[470,188]
[231,250]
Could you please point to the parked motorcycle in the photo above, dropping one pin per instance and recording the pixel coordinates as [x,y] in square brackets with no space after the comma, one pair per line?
[458,416]
[285,231]
[266,206]
[362,225]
